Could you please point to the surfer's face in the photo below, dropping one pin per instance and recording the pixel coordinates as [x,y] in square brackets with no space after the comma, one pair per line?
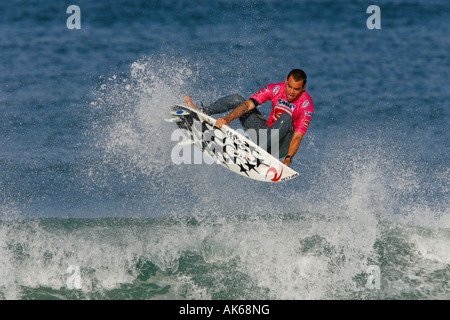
[293,89]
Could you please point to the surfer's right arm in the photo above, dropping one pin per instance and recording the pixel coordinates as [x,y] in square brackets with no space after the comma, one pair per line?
[236,113]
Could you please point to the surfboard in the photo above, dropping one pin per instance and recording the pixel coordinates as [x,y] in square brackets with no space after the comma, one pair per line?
[228,147]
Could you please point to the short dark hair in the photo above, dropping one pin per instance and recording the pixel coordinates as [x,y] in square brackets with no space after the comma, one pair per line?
[298,75]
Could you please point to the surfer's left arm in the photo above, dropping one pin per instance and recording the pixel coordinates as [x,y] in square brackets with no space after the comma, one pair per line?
[293,147]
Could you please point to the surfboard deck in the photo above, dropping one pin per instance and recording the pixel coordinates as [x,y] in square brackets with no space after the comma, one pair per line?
[228,147]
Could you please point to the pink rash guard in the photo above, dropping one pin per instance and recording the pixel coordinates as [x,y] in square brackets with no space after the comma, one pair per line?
[301,110]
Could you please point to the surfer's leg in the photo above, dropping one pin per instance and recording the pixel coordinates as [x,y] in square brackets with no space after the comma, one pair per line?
[256,126]
[253,120]
[285,129]
[285,142]
[224,104]
[286,132]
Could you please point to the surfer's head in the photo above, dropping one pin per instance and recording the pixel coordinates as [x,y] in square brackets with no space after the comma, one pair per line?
[295,84]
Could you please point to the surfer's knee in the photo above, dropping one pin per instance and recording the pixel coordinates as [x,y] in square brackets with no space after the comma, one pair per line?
[284,124]
[284,121]
[224,104]
[236,99]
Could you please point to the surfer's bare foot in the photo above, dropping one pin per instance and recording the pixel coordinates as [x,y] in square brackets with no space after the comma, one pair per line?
[188,101]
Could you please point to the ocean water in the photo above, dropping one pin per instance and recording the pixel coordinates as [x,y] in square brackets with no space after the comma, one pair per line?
[92,207]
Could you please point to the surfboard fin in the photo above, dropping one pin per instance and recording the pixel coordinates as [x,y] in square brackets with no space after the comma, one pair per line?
[175,119]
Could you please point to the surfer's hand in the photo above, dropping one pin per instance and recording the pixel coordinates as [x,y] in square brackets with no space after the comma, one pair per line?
[287,161]
[220,122]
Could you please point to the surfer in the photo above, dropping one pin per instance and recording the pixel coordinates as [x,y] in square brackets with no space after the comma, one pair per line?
[292,110]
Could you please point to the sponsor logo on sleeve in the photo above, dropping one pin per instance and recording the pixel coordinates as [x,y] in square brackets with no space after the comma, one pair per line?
[260,92]
[306,123]
[305,104]
[276,89]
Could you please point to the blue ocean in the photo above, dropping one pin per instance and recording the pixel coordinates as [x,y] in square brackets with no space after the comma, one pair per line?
[92,207]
